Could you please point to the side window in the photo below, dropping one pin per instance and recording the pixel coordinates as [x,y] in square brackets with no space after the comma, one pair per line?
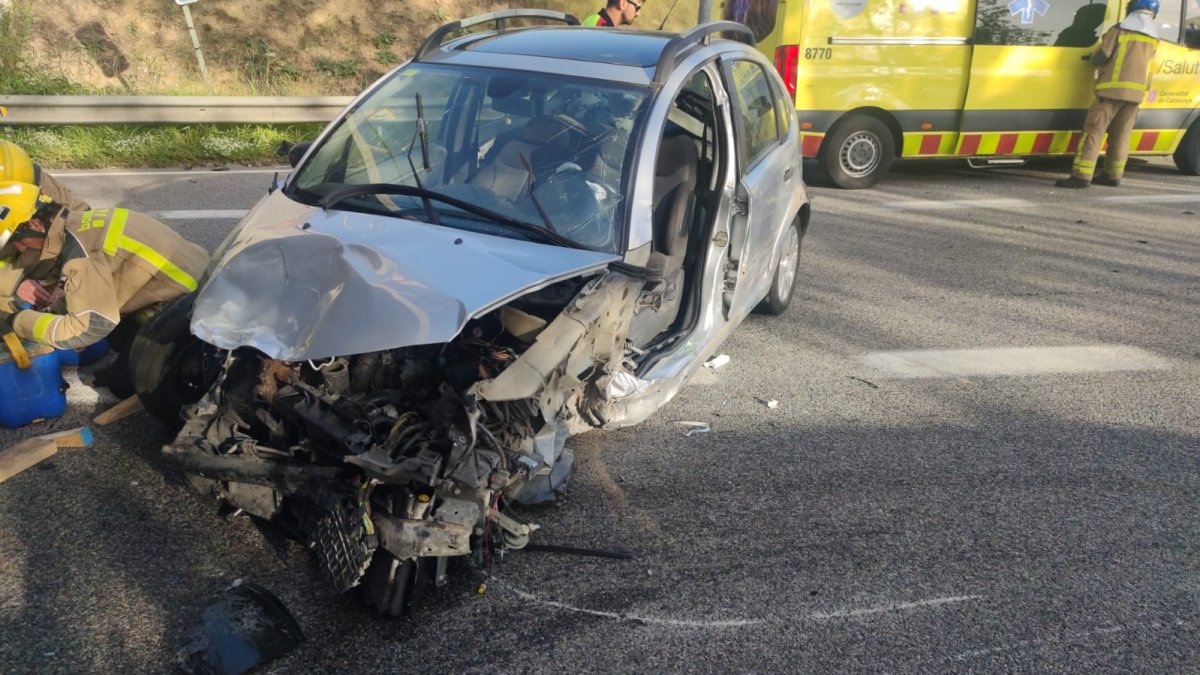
[1063,23]
[1170,13]
[755,100]
[1191,24]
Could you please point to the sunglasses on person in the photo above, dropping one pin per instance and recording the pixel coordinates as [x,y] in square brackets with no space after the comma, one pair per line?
[637,7]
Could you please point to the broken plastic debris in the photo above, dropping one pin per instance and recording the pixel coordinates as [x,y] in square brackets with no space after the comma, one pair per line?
[687,428]
[248,626]
[717,361]
[624,383]
[772,404]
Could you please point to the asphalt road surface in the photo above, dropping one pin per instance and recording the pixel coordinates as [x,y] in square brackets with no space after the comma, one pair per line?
[985,456]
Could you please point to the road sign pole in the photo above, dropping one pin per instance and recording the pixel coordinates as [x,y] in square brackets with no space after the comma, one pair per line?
[705,11]
[187,15]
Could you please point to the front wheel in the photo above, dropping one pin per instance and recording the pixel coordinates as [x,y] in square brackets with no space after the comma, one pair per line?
[170,367]
[1187,155]
[857,153]
[783,282]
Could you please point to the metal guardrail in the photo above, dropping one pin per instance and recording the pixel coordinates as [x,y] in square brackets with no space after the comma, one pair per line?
[169,109]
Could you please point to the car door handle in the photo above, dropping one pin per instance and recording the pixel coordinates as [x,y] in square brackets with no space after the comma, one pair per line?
[787,174]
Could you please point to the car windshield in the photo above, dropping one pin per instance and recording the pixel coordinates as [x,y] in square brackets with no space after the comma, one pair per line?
[548,150]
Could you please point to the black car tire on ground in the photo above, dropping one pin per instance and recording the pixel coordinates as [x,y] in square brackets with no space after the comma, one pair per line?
[857,153]
[783,279]
[166,362]
[1187,155]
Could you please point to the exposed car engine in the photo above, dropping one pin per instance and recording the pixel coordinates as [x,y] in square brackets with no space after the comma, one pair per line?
[386,463]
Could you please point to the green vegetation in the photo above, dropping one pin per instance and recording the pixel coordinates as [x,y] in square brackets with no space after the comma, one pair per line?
[94,147]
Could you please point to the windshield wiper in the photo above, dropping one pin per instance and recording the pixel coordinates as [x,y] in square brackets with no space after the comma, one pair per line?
[532,197]
[420,133]
[337,196]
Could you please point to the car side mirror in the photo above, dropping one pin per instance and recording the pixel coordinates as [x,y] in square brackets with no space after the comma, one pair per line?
[296,152]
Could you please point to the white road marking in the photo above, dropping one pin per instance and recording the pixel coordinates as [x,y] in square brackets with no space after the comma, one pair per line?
[1005,203]
[151,172]
[210,214]
[730,623]
[1014,361]
[897,607]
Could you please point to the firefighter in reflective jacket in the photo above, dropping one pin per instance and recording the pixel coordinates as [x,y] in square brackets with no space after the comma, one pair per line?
[1123,58]
[615,13]
[94,268]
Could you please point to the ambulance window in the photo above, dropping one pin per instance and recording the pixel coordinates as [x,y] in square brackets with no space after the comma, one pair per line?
[758,127]
[1068,23]
[1191,24]
[1168,19]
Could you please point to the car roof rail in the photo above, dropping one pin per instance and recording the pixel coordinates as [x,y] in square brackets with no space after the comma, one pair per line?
[438,36]
[701,34]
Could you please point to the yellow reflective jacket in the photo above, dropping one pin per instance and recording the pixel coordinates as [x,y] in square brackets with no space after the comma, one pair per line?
[114,262]
[1125,75]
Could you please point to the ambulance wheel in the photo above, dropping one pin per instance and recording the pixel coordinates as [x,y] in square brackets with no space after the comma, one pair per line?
[857,153]
[168,363]
[1187,155]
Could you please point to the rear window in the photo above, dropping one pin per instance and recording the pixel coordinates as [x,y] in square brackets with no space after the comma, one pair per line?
[1045,23]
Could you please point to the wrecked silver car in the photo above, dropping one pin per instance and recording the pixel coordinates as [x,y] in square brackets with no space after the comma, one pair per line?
[519,235]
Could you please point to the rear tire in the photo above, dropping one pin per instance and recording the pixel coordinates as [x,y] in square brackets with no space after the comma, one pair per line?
[783,280]
[857,153]
[168,364]
[1187,155]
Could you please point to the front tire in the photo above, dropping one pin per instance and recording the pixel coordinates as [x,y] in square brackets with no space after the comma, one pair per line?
[168,364]
[858,152]
[1187,155]
[783,281]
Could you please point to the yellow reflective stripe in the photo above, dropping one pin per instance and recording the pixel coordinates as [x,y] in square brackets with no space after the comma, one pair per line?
[158,261]
[116,228]
[1140,86]
[1138,37]
[42,326]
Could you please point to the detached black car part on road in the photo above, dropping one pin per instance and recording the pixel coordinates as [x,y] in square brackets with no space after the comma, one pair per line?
[520,235]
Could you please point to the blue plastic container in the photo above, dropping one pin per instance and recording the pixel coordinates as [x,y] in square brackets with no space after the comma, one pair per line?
[36,393]
[83,357]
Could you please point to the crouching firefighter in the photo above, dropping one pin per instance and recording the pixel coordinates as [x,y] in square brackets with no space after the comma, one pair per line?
[98,274]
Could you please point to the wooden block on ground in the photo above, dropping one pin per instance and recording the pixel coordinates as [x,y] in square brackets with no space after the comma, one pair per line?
[72,438]
[15,459]
[130,406]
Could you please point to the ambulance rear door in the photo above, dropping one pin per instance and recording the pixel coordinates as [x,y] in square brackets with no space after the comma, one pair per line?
[1030,80]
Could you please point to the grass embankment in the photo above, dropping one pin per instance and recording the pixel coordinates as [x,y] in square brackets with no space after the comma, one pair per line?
[157,146]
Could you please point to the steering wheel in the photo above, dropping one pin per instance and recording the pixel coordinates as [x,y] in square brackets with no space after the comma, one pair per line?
[572,124]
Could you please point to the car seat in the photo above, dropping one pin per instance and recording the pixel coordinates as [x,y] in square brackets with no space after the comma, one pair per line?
[675,175]
[545,141]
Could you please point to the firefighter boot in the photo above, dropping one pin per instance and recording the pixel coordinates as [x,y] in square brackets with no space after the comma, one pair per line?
[1072,182]
[1107,180]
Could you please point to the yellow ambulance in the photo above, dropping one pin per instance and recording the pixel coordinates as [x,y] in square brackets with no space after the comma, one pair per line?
[874,80]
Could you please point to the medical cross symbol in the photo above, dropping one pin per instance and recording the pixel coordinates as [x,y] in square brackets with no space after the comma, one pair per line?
[1027,8]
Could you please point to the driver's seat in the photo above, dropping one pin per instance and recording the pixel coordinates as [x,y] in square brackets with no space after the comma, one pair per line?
[675,177]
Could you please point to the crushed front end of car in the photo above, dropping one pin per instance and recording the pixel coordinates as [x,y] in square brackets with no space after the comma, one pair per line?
[401,452]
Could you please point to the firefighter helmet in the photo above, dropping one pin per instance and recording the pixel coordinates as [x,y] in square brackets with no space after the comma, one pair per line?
[1148,5]
[14,163]
[18,203]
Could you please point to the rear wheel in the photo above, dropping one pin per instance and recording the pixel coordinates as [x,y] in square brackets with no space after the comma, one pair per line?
[783,282]
[857,152]
[168,364]
[1187,155]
